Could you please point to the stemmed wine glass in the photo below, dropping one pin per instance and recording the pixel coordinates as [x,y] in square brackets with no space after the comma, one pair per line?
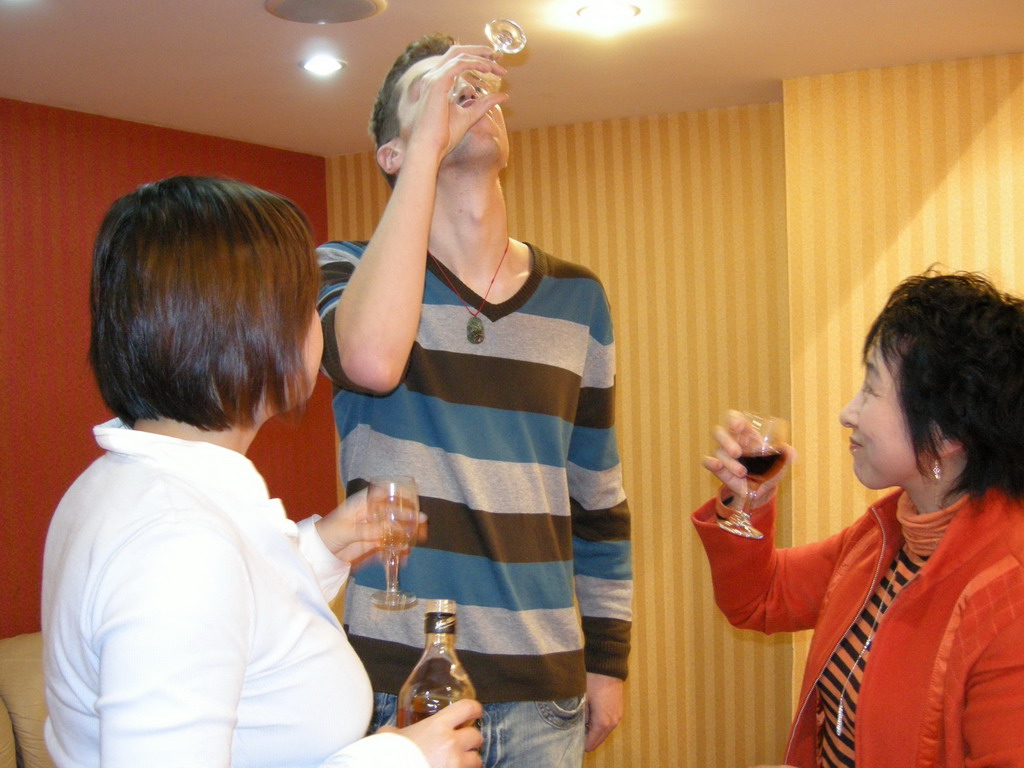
[761,444]
[505,36]
[394,504]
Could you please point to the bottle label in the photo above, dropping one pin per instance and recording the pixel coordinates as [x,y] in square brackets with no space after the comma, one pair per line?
[439,623]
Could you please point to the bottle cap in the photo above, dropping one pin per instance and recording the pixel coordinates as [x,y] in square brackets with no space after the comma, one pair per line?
[440,606]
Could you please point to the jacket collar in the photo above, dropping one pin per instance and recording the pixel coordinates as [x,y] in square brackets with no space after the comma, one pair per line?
[975,529]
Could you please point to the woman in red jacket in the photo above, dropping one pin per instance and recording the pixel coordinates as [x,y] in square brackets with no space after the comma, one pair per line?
[917,657]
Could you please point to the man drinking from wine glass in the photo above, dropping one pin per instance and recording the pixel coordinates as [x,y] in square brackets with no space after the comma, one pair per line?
[484,367]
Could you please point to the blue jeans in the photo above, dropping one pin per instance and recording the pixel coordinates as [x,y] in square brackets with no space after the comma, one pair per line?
[518,734]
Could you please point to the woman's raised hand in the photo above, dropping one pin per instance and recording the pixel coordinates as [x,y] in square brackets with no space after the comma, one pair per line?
[348,531]
[724,463]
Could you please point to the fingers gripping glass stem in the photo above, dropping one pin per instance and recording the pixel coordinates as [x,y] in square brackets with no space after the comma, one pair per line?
[505,36]
[762,456]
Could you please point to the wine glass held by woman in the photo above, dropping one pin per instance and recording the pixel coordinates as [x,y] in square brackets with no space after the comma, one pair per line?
[393,502]
[744,442]
[185,617]
[917,607]
[351,533]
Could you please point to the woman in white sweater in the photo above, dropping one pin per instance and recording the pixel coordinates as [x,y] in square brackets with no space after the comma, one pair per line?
[185,617]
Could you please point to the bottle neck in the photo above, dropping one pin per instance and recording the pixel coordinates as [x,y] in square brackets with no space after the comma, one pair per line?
[444,640]
[439,632]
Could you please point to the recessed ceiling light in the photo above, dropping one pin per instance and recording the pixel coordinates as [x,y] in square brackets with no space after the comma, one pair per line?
[608,12]
[322,64]
[324,11]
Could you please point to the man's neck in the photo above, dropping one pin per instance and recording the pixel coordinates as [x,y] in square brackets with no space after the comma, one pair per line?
[469,231]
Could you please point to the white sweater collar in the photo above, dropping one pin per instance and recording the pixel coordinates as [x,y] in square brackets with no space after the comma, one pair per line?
[221,471]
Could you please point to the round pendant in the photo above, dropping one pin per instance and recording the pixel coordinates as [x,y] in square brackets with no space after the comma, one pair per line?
[475,330]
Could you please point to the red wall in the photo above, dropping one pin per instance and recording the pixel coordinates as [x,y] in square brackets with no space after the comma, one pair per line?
[59,172]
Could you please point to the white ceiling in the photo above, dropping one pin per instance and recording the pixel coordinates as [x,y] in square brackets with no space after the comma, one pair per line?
[228,68]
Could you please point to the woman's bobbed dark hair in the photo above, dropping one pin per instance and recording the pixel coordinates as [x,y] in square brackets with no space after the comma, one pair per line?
[202,297]
[955,346]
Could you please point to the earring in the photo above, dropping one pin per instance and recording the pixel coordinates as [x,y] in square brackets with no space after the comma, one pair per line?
[937,470]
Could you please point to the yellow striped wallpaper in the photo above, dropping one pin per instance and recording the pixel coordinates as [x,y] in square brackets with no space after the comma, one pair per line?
[744,251]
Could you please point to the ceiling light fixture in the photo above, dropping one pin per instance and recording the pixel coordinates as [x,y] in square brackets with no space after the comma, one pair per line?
[324,11]
[322,64]
[608,13]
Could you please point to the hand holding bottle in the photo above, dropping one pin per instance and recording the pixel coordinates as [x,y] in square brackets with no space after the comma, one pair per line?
[438,693]
[444,738]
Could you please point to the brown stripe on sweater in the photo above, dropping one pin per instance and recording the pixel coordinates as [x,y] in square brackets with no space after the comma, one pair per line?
[497,677]
[601,524]
[514,538]
[517,385]
[596,408]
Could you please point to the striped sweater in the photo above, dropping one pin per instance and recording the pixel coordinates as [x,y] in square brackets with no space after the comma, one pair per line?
[512,443]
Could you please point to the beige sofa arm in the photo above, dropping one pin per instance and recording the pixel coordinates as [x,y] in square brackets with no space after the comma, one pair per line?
[8,751]
[23,700]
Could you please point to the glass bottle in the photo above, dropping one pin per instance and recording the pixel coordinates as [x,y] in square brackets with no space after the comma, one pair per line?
[438,679]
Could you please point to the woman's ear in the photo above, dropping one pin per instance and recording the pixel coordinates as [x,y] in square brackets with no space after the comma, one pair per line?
[389,157]
[951,459]
[950,448]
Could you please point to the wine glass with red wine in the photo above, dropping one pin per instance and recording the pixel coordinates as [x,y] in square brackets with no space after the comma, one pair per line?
[763,458]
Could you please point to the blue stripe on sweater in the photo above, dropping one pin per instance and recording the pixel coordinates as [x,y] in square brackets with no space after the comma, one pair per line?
[587,301]
[497,435]
[471,580]
[594,449]
[603,559]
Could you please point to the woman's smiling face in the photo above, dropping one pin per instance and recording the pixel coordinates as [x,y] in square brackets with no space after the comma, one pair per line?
[883,454]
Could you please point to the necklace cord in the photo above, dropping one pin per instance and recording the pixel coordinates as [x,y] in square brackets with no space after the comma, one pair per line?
[490,285]
[876,622]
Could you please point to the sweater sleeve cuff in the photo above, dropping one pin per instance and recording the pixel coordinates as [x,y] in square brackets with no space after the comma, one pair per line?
[608,665]
[722,507]
[705,522]
[606,646]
